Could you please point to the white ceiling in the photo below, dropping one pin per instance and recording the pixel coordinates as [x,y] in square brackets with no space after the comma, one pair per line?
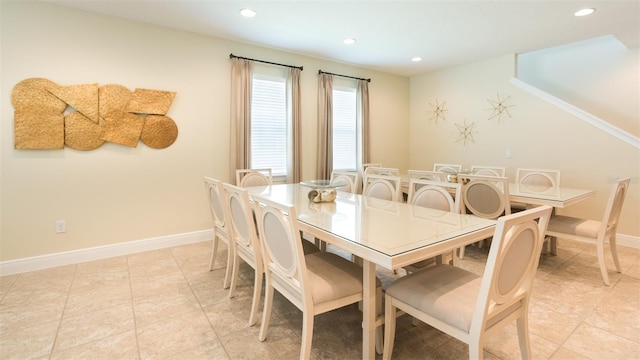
[389,33]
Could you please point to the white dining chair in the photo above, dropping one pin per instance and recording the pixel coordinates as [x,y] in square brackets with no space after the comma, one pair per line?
[538,180]
[254,177]
[352,180]
[214,191]
[447,168]
[469,307]
[484,196]
[568,227]
[440,195]
[437,195]
[244,240]
[488,170]
[383,187]
[427,175]
[378,170]
[368,165]
[314,283]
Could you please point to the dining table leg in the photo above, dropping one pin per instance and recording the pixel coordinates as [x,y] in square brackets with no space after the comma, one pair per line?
[368,309]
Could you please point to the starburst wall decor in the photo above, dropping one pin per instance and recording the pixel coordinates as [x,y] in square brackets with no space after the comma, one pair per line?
[465,132]
[437,111]
[499,108]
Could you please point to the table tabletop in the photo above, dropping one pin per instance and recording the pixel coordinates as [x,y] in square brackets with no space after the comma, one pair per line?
[559,198]
[391,234]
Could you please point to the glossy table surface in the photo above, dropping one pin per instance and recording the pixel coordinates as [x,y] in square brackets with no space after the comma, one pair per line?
[558,198]
[389,233]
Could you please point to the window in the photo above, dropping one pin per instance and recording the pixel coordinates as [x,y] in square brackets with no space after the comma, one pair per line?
[344,128]
[269,124]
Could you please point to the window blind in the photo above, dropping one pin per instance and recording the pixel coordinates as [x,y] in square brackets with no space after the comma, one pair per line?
[269,125]
[344,129]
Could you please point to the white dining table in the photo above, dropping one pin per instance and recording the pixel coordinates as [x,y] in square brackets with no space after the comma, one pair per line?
[380,232]
[558,198]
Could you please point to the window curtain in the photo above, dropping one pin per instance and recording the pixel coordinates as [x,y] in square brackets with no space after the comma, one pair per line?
[362,119]
[325,126]
[240,148]
[294,113]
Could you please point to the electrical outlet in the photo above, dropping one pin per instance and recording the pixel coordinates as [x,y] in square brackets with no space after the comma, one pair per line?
[61,226]
[508,153]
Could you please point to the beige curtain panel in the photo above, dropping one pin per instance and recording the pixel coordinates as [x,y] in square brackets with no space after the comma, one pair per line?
[239,146]
[293,97]
[325,126]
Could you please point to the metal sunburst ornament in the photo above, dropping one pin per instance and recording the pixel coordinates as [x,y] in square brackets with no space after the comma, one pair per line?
[437,111]
[465,132]
[499,108]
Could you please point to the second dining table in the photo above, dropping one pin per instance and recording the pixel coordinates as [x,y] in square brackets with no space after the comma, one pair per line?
[380,232]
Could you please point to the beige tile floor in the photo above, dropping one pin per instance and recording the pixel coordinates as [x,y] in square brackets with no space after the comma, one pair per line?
[165,304]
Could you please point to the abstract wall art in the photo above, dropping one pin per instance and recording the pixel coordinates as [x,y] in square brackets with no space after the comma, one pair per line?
[83,117]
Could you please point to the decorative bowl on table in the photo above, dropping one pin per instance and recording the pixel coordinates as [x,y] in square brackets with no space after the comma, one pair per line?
[452,177]
[322,190]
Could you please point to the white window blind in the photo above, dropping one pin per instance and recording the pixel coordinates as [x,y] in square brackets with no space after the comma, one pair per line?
[269,124]
[344,129]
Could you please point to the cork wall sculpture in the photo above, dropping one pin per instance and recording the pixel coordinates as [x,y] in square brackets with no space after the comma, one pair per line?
[83,117]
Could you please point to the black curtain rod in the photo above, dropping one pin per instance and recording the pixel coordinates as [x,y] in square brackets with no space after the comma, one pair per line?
[231,56]
[347,76]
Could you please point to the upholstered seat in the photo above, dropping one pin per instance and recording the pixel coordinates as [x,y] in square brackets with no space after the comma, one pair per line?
[314,283]
[592,230]
[469,307]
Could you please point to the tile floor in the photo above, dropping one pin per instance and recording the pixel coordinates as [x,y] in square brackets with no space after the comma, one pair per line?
[165,304]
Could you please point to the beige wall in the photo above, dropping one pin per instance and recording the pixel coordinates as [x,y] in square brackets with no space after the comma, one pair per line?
[117,194]
[538,134]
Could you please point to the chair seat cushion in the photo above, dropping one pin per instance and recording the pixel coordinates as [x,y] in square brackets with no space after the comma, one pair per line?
[445,292]
[333,277]
[574,226]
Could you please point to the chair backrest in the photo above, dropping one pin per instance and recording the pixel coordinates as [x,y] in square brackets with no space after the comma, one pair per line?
[214,191]
[383,187]
[439,195]
[241,224]
[614,204]
[350,178]
[282,251]
[511,268]
[427,175]
[368,165]
[538,180]
[253,177]
[447,168]
[488,170]
[382,171]
[485,196]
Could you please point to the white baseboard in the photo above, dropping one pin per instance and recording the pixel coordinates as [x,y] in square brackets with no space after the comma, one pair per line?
[101,252]
[628,241]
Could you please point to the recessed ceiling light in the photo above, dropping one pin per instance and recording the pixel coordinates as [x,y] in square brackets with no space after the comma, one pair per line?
[349,41]
[584,12]
[247,13]
[416,59]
